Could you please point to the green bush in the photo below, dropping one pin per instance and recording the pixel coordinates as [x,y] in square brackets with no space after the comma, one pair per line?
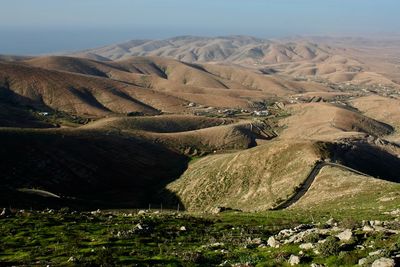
[329,247]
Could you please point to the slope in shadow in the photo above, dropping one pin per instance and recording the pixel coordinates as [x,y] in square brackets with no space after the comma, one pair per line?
[367,158]
[91,169]
[10,97]
[15,110]
[87,97]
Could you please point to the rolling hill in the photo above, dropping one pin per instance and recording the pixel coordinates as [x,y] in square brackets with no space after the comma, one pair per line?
[260,178]
[148,85]
[337,60]
[117,126]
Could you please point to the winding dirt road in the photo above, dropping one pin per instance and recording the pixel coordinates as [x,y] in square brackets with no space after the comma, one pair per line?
[309,181]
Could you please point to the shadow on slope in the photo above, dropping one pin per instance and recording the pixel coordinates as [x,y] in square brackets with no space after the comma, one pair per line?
[86,168]
[15,110]
[367,158]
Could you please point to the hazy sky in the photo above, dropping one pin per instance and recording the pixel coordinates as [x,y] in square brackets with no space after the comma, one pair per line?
[42,26]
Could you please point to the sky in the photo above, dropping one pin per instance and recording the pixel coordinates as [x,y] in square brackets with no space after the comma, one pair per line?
[32,27]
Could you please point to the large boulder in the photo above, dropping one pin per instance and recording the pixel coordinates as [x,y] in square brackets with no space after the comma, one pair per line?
[383,262]
[272,242]
[346,235]
[294,260]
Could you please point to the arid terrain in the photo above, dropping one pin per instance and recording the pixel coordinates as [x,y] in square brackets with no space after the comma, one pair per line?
[251,105]
[204,125]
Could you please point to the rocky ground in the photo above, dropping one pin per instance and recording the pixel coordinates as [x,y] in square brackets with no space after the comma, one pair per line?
[165,238]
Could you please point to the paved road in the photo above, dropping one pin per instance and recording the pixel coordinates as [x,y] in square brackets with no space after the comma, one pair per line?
[309,181]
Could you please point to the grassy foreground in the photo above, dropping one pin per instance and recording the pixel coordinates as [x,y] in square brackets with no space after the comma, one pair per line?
[173,239]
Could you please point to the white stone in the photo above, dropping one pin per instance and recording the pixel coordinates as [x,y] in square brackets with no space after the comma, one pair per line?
[286,232]
[379,228]
[71,259]
[346,235]
[383,262]
[272,242]
[330,221]
[294,260]
[217,245]
[306,246]
[374,253]
[183,228]
[95,212]
[362,261]
[367,228]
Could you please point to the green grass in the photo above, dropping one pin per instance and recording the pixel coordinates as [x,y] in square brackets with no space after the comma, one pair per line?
[115,238]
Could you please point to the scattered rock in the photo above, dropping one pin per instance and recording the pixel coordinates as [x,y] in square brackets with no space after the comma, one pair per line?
[95,212]
[303,227]
[217,245]
[367,228]
[272,242]
[71,259]
[374,253]
[217,210]
[256,241]
[323,231]
[286,232]
[383,262]
[306,246]
[380,228]
[294,260]
[141,212]
[362,261]
[395,212]
[5,212]
[375,223]
[331,221]
[346,235]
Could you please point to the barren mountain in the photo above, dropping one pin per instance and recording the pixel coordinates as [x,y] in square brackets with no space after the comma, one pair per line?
[148,85]
[260,116]
[338,60]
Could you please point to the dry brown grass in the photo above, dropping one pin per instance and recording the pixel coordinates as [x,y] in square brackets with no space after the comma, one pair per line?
[343,189]
[324,121]
[248,180]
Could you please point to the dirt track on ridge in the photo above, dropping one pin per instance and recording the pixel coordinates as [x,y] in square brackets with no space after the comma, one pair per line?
[309,181]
